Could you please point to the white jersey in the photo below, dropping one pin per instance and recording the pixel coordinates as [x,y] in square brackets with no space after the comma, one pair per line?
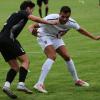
[54,30]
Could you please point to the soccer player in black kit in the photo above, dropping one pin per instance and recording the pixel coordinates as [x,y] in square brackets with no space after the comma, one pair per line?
[12,50]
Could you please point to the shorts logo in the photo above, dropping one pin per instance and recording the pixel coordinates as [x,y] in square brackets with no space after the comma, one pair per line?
[22,49]
[45,42]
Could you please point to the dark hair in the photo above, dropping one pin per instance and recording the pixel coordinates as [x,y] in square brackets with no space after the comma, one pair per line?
[65,9]
[27,3]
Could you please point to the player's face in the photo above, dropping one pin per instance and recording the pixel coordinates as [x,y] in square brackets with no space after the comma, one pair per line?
[29,10]
[64,17]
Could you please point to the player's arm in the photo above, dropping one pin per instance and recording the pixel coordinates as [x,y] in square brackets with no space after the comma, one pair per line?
[39,20]
[33,29]
[88,34]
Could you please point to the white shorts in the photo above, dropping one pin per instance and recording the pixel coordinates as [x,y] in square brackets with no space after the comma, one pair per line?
[44,41]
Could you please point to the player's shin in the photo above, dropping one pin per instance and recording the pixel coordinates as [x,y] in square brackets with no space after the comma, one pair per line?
[72,69]
[10,77]
[45,69]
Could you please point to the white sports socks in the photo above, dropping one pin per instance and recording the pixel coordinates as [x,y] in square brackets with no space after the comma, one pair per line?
[72,69]
[45,69]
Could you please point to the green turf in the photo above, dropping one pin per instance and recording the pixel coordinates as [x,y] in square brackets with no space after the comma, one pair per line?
[85,53]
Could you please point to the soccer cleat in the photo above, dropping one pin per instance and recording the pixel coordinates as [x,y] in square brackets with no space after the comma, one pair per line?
[7,91]
[40,88]
[24,89]
[81,83]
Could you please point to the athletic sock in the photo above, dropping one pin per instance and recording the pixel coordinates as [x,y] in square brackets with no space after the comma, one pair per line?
[72,70]
[21,84]
[10,77]
[22,74]
[40,13]
[46,11]
[7,84]
[45,69]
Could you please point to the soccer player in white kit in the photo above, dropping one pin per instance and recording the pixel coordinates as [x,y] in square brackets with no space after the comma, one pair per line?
[49,38]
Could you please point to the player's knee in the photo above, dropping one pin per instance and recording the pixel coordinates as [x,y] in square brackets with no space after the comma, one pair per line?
[39,8]
[67,58]
[46,6]
[16,68]
[53,57]
[26,62]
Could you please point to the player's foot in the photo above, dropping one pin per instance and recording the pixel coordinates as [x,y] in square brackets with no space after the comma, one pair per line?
[24,89]
[7,91]
[40,88]
[81,83]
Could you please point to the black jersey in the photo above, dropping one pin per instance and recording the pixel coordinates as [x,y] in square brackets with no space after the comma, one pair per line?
[14,24]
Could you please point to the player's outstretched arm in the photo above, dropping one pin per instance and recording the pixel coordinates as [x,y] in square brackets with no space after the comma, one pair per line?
[88,34]
[39,20]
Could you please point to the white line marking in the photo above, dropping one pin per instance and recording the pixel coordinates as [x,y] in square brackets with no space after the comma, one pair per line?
[34,52]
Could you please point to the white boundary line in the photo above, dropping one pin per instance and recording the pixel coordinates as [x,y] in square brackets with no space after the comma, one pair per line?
[38,52]
[34,52]
[75,51]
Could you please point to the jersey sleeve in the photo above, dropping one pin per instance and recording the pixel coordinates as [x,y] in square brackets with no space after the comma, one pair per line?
[50,17]
[73,24]
[41,24]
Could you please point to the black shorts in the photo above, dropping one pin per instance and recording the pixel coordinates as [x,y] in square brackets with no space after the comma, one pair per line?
[11,49]
[39,2]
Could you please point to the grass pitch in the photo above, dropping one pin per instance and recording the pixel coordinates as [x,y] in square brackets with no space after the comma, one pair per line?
[85,53]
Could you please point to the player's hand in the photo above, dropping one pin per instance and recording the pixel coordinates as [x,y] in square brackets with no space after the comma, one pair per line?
[35,32]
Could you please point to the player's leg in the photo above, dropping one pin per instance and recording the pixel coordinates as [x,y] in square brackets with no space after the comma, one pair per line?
[10,77]
[46,7]
[51,56]
[50,52]
[7,51]
[39,3]
[12,72]
[62,51]
[23,70]
[23,73]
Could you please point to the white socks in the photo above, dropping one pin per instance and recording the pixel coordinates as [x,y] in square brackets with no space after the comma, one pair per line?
[7,84]
[47,66]
[72,70]
[45,69]
[21,83]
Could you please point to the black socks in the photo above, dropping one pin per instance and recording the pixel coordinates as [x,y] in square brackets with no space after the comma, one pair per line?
[46,11]
[11,75]
[40,13]
[22,74]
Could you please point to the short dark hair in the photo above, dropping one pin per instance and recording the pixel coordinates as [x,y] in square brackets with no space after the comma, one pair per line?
[65,9]
[27,3]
